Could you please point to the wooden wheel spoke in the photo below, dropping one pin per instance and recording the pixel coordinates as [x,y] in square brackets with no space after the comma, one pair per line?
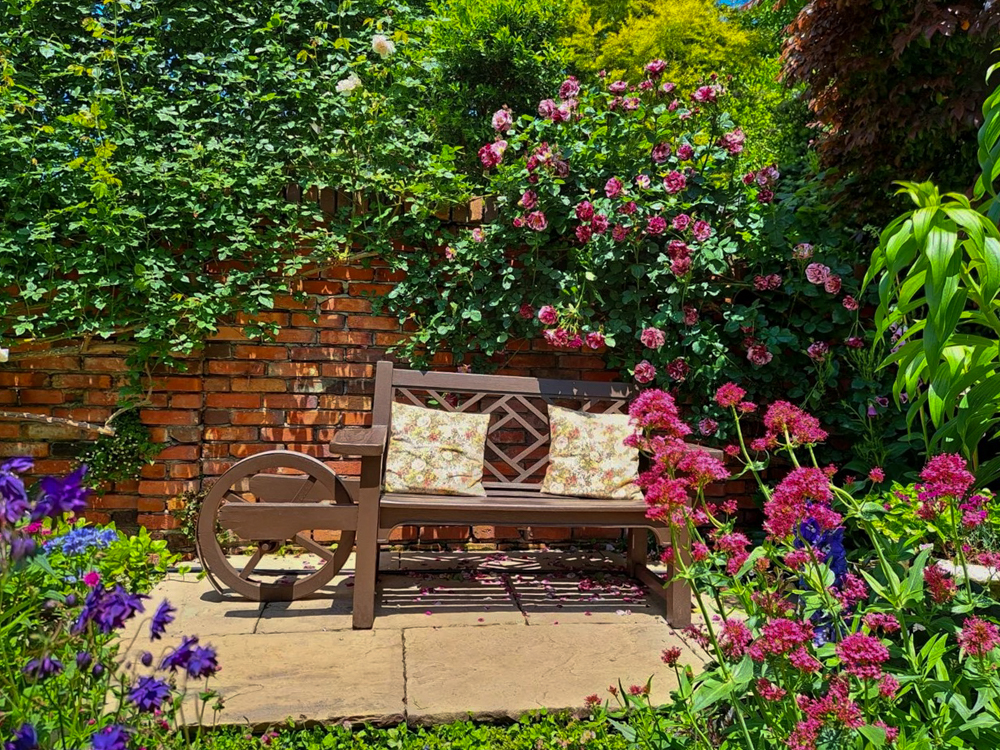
[252,563]
[305,490]
[315,547]
[232,497]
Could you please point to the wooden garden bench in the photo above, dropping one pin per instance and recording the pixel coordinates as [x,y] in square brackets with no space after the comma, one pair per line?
[516,456]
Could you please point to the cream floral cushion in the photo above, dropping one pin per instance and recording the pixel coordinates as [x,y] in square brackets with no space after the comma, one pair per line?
[587,457]
[435,452]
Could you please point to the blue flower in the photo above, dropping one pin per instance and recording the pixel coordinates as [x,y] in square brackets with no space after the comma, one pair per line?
[114,737]
[60,496]
[179,657]
[13,496]
[830,544]
[78,541]
[25,738]
[202,662]
[149,693]
[43,668]
[162,618]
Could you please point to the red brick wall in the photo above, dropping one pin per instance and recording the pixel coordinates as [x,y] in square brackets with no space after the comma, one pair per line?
[241,397]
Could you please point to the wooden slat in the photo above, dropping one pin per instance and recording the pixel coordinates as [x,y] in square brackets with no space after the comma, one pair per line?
[275,488]
[534,502]
[362,441]
[279,521]
[509,384]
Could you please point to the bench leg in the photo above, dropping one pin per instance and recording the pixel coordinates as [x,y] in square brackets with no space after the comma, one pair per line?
[637,550]
[679,592]
[366,553]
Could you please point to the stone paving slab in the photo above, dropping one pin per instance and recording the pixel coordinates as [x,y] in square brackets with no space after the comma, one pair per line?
[504,671]
[352,676]
[487,634]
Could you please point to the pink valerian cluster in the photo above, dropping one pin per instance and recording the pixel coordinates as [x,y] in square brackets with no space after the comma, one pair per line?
[939,584]
[803,495]
[788,423]
[835,709]
[852,590]
[945,475]
[863,656]
[491,155]
[978,637]
[769,691]
[784,640]
[734,637]
[974,512]
[881,621]
[733,546]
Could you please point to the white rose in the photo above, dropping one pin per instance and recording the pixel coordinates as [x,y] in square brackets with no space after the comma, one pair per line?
[347,85]
[4,355]
[383,45]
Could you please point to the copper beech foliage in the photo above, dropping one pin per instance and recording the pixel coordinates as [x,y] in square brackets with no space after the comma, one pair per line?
[895,86]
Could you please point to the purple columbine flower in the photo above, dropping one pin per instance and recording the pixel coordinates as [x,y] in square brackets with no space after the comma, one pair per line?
[179,657]
[24,738]
[109,610]
[114,737]
[41,669]
[21,547]
[61,495]
[149,693]
[146,659]
[83,660]
[13,496]
[203,662]
[162,618]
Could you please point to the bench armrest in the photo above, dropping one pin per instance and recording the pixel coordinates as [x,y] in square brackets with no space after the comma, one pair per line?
[364,441]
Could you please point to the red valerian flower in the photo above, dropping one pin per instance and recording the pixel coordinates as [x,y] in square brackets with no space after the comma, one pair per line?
[945,475]
[876,475]
[671,656]
[802,495]
[729,395]
[781,636]
[978,637]
[801,428]
[656,410]
[769,691]
[941,587]
[882,621]
[863,656]
[734,637]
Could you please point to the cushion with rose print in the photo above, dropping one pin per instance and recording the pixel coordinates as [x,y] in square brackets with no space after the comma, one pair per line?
[435,452]
[588,457]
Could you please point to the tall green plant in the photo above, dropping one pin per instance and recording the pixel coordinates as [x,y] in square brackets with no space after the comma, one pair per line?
[938,271]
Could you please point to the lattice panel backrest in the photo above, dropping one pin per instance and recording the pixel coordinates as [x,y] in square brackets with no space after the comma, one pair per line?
[517,444]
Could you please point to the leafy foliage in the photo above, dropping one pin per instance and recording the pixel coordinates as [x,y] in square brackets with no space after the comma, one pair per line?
[172,129]
[120,456]
[895,86]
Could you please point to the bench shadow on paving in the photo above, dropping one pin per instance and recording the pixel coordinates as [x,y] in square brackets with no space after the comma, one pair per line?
[455,634]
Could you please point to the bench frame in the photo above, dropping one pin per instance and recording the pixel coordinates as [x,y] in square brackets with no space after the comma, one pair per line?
[511,500]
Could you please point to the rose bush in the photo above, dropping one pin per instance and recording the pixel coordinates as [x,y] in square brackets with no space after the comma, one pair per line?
[625,222]
[816,644]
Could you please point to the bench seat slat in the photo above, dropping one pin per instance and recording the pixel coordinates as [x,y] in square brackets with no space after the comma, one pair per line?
[529,502]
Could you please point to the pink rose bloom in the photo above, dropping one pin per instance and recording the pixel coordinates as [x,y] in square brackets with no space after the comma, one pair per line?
[690,315]
[575,341]
[547,108]
[677,249]
[644,372]
[569,88]
[684,152]
[631,103]
[760,283]
[584,233]
[613,187]
[661,152]
[653,338]
[642,180]
[584,211]
[681,266]
[547,315]
[681,222]
[628,208]
[595,339]
[850,303]
[855,342]
[765,196]
[529,200]
[618,87]
[449,252]
[749,178]
[518,222]
[802,251]
[668,87]
[706,94]
[733,142]
[708,427]
[599,223]
[674,182]
[656,225]
[91,578]
[536,220]
[655,68]
[492,154]
[478,235]
[619,233]
[678,369]
[556,336]
[818,350]
[526,311]
[502,120]
[673,107]
[646,85]
[832,285]
[701,230]
[817,273]
[759,355]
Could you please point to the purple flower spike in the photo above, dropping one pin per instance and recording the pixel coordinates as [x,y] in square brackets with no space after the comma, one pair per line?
[25,738]
[60,496]
[114,737]
[149,693]
[162,618]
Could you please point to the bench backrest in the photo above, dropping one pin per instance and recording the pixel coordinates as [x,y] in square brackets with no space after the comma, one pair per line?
[517,444]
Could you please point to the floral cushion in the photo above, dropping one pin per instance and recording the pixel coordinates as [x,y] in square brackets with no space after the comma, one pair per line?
[588,458]
[434,452]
